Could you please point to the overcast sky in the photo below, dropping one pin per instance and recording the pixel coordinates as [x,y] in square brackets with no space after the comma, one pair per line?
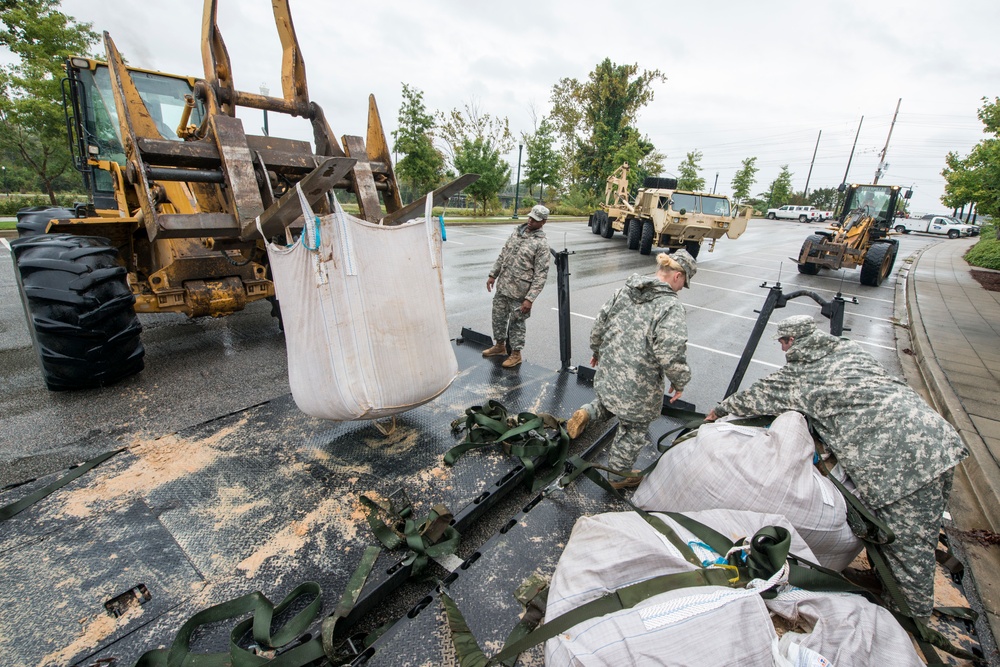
[743,78]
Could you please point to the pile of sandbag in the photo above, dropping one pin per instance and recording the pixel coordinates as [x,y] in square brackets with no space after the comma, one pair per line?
[705,625]
[759,470]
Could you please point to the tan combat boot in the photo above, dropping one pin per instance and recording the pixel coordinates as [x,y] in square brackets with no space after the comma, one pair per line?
[513,360]
[629,482]
[577,423]
[497,350]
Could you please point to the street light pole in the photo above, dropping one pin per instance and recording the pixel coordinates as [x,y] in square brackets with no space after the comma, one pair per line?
[6,190]
[517,188]
[264,90]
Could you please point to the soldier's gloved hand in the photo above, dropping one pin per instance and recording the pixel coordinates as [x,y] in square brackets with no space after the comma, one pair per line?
[526,306]
[711,416]
[675,394]
[593,360]
[489,283]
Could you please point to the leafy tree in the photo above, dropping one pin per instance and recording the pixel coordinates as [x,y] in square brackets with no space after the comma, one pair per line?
[544,163]
[824,198]
[32,121]
[976,178]
[458,127]
[422,166]
[744,179]
[780,190]
[596,118]
[479,156]
[688,178]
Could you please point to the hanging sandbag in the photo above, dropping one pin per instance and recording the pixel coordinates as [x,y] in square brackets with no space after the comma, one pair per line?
[364,317]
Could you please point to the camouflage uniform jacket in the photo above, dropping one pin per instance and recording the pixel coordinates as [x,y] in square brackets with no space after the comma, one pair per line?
[886,437]
[639,337]
[523,264]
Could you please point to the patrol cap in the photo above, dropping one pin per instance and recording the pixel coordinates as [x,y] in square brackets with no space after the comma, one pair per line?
[795,326]
[679,261]
[539,213]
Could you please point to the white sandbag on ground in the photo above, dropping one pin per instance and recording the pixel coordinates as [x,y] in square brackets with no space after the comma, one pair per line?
[682,627]
[364,316]
[759,470]
[847,629]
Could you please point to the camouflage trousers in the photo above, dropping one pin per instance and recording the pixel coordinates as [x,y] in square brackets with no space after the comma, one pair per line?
[508,321]
[916,521]
[629,440]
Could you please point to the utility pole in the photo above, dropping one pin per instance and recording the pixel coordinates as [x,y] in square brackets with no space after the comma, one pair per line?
[812,163]
[844,182]
[882,166]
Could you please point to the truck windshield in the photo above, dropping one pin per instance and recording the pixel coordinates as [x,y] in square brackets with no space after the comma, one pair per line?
[715,205]
[700,204]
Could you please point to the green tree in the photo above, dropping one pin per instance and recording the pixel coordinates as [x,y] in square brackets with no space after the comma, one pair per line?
[479,156]
[780,190]
[32,122]
[744,179]
[976,177]
[688,178]
[597,118]
[544,163]
[422,166]
[458,127]
[824,198]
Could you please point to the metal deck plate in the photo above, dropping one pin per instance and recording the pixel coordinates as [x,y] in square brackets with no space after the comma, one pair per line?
[262,499]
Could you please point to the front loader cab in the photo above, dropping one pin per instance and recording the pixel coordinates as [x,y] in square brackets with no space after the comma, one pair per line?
[94,128]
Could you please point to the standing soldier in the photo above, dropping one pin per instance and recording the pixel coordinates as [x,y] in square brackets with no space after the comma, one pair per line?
[639,338]
[519,273]
[900,454]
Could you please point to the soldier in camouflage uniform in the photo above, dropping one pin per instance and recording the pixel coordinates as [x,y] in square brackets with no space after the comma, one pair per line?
[639,338]
[519,273]
[898,451]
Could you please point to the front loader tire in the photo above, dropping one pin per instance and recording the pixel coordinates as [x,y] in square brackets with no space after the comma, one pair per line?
[34,220]
[634,233]
[878,263]
[809,268]
[646,241]
[79,309]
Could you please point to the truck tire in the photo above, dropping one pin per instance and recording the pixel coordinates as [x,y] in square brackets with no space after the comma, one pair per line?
[607,229]
[646,241]
[803,218]
[658,183]
[954,233]
[595,225]
[634,233]
[693,248]
[809,268]
[33,221]
[771,216]
[80,310]
[902,230]
[878,263]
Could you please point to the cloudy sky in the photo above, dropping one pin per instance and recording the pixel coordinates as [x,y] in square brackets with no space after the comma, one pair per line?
[743,78]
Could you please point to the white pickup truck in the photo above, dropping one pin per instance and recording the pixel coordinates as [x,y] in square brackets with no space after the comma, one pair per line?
[936,224]
[800,213]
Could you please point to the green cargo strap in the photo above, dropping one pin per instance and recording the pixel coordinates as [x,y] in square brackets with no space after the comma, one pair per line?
[32,498]
[530,437]
[430,537]
[278,649]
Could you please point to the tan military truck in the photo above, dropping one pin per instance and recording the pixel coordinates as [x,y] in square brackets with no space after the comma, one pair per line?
[663,216]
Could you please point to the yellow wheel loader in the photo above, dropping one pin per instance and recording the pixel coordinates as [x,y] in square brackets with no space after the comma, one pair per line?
[181,199]
[859,237]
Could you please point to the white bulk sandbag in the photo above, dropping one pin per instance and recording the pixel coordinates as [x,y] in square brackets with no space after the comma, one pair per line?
[702,625]
[363,310]
[847,629]
[760,470]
